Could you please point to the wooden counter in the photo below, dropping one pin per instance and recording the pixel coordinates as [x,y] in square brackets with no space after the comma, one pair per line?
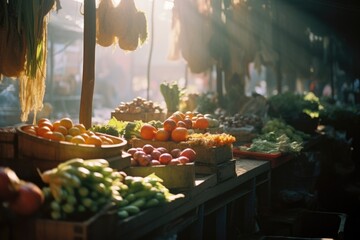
[189,213]
[184,218]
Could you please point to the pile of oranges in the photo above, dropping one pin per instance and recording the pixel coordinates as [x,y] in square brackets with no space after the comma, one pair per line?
[65,130]
[175,127]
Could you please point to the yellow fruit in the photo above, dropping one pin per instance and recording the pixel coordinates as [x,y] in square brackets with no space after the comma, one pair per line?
[58,136]
[66,122]
[68,138]
[77,139]
[61,129]
[56,124]
[106,140]
[74,131]
[81,127]
[93,139]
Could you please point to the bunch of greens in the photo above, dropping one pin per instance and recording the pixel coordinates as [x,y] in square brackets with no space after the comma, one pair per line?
[291,105]
[207,102]
[273,143]
[126,129]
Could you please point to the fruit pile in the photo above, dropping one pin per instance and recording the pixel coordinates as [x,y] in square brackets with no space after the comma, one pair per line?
[138,105]
[241,120]
[21,197]
[65,130]
[151,156]
[79,188]
[177,127]
[143,193]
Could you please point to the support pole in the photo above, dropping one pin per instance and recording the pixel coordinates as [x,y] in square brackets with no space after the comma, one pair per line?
[88,80]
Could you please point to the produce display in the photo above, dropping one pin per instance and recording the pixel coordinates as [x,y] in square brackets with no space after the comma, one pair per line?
[171,93]
[277,136]
[143,193]
[279,127]
[210,140]
[290,105]
[148,155]
[79,188]
[65,130]
[241,121]
[178,127]
[271,143]
[138,105]
[126,129]
[21,197]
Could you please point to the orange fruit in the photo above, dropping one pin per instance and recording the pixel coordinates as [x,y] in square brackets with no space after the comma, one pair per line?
[176,117]
[77,139]
[179,134]
[56,124]
[46,123]
[81,127]
[73,131]
[48,135]
[57,136]
[42,130]
[66,122]
[189,114]
[201,123]
[169,125]
[41,120]
[84,135]
[162,135]
[30,129]
[147,131]
[179,115]
[94,139]
[61,129]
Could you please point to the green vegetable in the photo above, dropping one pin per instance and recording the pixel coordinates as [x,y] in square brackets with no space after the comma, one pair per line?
[171,94]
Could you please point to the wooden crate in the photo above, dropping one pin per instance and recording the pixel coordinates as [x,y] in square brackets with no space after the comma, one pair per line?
[213,155]
[223,171]
[179,177]
[30,146]
[145,117]
[8,143]
[92,229]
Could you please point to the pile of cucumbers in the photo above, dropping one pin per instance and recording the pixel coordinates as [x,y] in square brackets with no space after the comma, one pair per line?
[80,188]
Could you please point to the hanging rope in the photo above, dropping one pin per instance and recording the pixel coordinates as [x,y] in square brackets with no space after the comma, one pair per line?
[151,50]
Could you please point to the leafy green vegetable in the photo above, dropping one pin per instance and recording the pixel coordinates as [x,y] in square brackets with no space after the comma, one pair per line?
[125,128]
[105,129]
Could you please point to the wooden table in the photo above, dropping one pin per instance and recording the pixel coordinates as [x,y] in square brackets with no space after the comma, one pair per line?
[208,197]
[185,218]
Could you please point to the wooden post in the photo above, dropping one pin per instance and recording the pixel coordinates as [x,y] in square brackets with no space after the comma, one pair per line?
[88,80]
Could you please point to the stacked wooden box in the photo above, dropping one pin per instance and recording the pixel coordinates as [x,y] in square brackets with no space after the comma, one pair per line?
[213,160]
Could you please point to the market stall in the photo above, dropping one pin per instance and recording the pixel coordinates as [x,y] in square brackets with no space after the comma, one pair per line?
[199,166]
